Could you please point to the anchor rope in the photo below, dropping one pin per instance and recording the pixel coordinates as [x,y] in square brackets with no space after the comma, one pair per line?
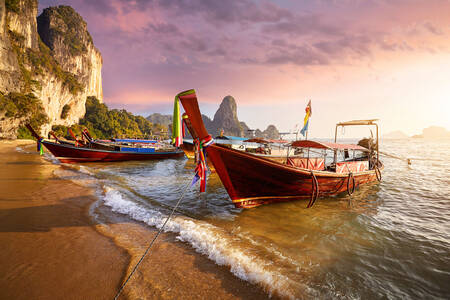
[153,241]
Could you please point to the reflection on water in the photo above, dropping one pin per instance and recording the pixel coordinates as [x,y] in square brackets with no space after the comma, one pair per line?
[388,240]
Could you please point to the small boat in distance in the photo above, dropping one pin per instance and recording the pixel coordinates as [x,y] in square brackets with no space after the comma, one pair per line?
[318,169]
[96,151]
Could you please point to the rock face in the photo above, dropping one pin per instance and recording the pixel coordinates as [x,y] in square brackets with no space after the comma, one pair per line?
[64,31]
[9,66]
[52,57]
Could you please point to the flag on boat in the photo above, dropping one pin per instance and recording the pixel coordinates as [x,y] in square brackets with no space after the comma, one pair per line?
[308,114]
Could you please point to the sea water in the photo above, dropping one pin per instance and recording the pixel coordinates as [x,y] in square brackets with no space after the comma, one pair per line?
[388,240]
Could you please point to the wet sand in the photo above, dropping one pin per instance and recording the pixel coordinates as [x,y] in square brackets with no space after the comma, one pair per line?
[52,249]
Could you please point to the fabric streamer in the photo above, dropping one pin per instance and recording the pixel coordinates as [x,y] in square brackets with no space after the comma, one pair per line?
[177,138]
[184,117]
[202,166]
[40,149]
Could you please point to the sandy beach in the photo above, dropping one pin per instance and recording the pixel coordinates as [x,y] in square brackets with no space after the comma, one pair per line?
[53,249]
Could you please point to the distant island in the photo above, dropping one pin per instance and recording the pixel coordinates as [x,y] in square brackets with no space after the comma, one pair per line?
[226,120]
[432,132]
[395,135]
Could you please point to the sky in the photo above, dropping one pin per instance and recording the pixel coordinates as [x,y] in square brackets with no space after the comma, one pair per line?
[354,59]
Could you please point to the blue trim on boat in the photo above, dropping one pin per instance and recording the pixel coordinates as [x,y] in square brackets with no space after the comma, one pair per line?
[138,150]
[135,141]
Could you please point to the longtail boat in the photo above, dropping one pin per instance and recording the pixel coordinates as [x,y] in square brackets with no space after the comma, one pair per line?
[252,180]
[77,152]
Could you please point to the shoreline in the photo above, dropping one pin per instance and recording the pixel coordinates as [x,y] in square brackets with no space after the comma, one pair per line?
[50,248]
[78,256]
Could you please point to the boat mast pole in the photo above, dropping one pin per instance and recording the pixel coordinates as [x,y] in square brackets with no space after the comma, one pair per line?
[306,138]
[335,150]
[378,153]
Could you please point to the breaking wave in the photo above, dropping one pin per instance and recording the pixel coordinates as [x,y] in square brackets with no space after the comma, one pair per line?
[207,239]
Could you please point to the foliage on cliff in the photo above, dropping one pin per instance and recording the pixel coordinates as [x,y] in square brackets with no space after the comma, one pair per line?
[26,107]
[14,5]
[72,20]
[33,63]
[104,123]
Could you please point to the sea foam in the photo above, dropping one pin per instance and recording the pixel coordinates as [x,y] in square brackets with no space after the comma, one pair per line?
[208,240]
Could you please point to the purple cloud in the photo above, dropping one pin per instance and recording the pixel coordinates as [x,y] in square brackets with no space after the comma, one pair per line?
[161,46]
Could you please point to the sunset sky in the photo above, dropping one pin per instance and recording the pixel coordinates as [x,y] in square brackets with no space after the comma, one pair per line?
[355,59]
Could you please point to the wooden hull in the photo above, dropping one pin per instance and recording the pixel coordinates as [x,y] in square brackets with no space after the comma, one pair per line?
[252,181]
[72,154]
[188,149]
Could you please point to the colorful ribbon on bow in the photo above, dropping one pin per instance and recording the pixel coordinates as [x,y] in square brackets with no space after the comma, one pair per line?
[40,149]
[177,135]
[200,157]
[184,117]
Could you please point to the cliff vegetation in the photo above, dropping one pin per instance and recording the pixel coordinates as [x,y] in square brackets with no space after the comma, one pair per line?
[39,62]
[105,123]
[24,107]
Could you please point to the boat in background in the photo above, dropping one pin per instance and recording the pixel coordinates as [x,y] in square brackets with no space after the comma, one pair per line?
[94,151]
[323,169]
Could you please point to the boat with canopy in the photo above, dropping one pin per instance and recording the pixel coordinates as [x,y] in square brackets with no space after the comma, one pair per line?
[319,169]
[89,150]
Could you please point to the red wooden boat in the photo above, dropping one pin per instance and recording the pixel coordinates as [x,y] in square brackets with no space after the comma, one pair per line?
[70,153]
[252,180]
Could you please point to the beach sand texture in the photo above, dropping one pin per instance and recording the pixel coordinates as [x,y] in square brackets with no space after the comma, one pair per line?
[51,248]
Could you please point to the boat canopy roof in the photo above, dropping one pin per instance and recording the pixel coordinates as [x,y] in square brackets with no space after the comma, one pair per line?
[358,122]
[229,137]
[326,145]
[265,141]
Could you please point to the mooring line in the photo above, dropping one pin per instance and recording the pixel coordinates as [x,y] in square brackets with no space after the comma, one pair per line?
[151,243]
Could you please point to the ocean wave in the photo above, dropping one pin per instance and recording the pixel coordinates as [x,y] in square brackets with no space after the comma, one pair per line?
[20,149]
[210,241]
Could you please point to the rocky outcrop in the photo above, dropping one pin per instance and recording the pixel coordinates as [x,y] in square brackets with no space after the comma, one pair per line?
[226,119]
[271,133]
[53,58]
[157,118]
[246,130]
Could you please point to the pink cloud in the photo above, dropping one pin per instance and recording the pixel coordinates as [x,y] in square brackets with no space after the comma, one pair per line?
[261,52]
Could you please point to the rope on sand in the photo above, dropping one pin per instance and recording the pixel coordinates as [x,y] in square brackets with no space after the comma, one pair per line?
[153,241]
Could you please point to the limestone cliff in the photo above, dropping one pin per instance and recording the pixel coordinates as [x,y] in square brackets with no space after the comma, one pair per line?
[64,31]
[52,57]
